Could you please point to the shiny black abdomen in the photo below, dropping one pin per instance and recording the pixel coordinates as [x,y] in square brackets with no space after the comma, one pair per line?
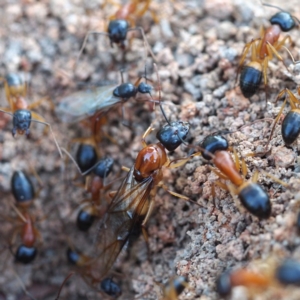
[213,143]
[284,20]
[290,128]
[250,80]
[25,255]
[256,200]
[86,157]
[289,272]
[22,187]
[73,256]
[84,220]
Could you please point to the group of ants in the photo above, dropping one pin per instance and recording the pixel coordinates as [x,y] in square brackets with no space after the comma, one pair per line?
[131,205]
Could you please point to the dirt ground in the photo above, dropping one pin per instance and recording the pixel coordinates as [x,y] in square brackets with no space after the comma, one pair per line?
[197,45]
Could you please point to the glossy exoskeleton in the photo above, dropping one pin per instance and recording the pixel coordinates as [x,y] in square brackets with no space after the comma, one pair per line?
[262,51]
[251,194]
[86,157]
[87,215]
[22,188]
[111,288]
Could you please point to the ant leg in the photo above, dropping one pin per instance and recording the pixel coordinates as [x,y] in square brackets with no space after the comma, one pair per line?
[62,285]
[38,103]
[23,286]
[146,44]
[85,42]
[246,49]
[147,132]
[38,119]
[276,120]
[177,195]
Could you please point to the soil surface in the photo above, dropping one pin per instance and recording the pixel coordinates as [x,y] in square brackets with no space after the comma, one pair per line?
[197,45]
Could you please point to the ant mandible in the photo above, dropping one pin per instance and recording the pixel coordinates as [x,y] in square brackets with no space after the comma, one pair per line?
[262,51]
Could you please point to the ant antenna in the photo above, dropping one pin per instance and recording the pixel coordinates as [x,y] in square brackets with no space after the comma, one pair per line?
[159,95]
[292,57]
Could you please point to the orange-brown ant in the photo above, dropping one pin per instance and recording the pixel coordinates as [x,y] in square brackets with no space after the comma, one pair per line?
[118,26]
[15,90]
[270,273]
[262,51]
[252,196]
[81,261]
[174,287]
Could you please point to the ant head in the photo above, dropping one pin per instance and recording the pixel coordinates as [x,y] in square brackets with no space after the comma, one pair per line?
[111,288]
[25,255]
[144,88]
[117,31]
[104,167]
[21,121]
[173,134]
[213,143]
[284,20]
[125,91]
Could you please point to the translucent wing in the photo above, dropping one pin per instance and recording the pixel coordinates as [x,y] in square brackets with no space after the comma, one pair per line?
[127,210]
[83,104]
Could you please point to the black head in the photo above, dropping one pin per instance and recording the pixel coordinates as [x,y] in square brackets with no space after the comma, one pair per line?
[144,88]
[111,288]
[213,143]
[117,31]
[289,272]
[25,255]
[86,157]
[284,20]
[125,91]
[103,167]
[22,187]
[21,121]
[13,80]
[73,256]
[172,135]
[223,285]
[84,220]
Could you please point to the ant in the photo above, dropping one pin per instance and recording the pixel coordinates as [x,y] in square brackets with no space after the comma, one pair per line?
[262,51]
[253,197]
[118,27]
[24,194]
[15,90]
[96,101]
[94,186]
[132,203]
[174,287]
[107,285]
[269,273]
